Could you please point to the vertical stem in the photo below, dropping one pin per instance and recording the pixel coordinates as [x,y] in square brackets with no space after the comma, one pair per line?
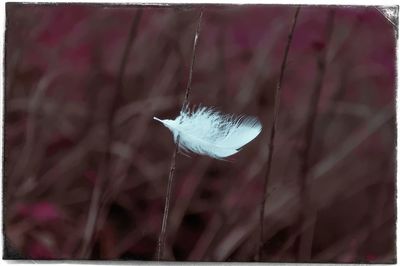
[307,216]
[163,232]
[162,237]
[189,84]
[106,160]
[273,130]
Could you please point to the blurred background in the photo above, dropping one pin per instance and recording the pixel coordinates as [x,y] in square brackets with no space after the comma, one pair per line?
[86,167]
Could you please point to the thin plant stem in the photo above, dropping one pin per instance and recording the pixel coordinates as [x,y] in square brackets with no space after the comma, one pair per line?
[273,130]
[307,215]
[193,59]
[106,160]
[163,232]
[162,237]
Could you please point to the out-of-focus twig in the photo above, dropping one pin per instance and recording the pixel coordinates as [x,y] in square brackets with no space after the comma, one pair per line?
[106,162]
[35,105]
[359,235]
[349,145]
[138,131]
[188,189]
[259,65]
[378,120]
[306,214]
[273,130]
[162,236]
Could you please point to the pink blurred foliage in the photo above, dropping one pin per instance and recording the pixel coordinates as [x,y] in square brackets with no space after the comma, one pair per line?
[37,250]
[249,32]
[80,56]
[40,212]
[62,21]
[91,175]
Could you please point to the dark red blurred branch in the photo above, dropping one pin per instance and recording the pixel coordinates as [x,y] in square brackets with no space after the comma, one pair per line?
[307,215]
[273,130]
[162,236]
[106,161]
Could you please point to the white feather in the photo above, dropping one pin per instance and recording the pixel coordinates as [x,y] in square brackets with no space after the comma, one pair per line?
[209,132]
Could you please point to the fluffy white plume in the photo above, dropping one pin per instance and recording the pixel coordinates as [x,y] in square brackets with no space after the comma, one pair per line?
[209,132]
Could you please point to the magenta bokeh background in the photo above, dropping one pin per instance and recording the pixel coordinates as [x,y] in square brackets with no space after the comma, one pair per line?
[62,66]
